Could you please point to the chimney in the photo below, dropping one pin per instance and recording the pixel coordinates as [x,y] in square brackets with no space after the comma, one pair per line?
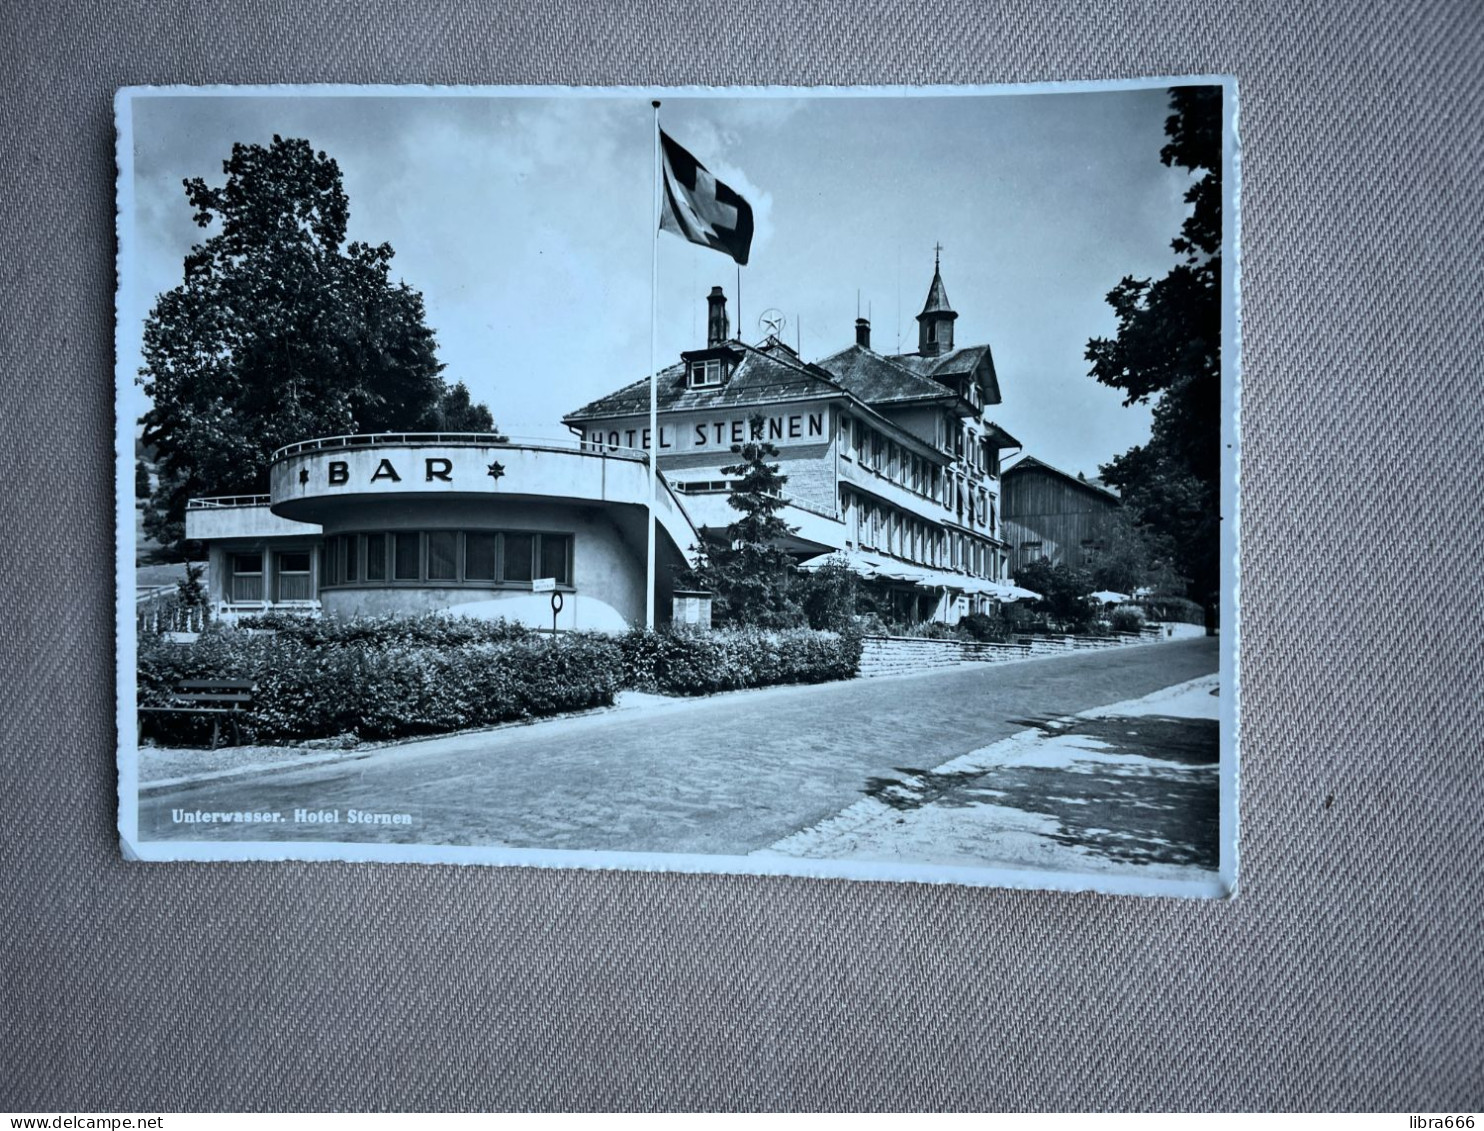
[718,329]
[863,333]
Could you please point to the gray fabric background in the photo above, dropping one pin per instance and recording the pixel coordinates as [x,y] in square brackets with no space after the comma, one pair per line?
[1348,973]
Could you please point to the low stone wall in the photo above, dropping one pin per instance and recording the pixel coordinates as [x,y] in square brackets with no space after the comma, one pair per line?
[1174,630]
[898,655]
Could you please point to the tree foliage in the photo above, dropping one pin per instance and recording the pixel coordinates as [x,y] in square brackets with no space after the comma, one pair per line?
[1133,556]
[829,595]
[1064,590]
[281,331]
[1168,348]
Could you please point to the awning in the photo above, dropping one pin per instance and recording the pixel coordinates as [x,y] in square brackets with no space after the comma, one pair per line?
[853,560]
[898,571]
[1004,591]
[883,568]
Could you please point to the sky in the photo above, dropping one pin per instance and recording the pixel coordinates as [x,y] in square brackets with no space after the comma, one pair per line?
[527,223]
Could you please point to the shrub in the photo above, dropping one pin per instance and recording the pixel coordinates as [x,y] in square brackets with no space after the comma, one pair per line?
[1126,618]
[379,689]
[686,661]
[934,630]
[1181,610]
[431,629]
[829,596]
[984,627]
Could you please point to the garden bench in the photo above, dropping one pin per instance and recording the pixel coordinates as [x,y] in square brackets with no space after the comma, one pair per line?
[215,697]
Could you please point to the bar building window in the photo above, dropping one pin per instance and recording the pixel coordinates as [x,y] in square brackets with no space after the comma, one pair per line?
[475,558]
[247,577]
[292,576]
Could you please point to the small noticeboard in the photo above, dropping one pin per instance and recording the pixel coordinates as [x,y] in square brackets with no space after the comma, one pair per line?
[544,585]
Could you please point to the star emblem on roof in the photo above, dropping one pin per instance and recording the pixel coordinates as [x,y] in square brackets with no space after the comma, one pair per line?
[303,475]
[496,470]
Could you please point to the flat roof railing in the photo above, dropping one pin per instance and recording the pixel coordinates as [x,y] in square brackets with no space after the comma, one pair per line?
[455,439]
[214,502]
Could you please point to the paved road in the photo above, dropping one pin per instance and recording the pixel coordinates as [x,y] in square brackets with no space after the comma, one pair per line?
[728,774]
[1129,788]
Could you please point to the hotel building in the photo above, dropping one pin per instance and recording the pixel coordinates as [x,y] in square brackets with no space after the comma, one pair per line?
[892,460]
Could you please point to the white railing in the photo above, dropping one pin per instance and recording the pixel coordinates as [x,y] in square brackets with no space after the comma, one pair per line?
[214,502]
[455,439]
[229,612]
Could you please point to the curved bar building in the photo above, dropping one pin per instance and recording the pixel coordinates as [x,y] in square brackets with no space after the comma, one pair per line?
[476,525]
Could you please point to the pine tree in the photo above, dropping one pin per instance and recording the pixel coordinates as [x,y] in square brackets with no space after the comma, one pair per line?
[753,576]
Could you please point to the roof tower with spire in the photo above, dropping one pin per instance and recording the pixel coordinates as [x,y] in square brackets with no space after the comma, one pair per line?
[935,323]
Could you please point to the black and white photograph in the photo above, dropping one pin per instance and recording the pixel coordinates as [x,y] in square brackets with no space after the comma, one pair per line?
[821,482]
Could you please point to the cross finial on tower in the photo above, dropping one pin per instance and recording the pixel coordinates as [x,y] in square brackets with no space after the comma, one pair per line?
[937,254]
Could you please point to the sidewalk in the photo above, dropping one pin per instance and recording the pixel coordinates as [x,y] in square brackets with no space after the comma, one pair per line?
[1129,788]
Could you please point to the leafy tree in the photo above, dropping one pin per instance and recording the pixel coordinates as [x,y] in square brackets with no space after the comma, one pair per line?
[457,412]
[1134,556]
[1168,348]
[1064,590]
[281,331]
[752,576]
[829,596]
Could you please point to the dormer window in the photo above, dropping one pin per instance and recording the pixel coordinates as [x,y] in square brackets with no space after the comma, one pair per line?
[706,374]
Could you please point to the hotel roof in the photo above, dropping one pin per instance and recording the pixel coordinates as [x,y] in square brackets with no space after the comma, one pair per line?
[955,363]
[763,375]
[876,379]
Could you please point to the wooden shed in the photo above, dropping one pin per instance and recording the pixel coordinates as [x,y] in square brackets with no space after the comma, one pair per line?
[1051,513]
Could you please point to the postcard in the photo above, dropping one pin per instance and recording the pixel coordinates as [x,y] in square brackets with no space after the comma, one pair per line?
[821,482]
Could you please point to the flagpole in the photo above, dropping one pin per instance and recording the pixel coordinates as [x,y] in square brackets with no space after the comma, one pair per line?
[654,412]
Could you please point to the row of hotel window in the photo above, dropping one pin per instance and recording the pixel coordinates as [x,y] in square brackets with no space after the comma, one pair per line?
[858,440]
[875,526]
[405,557]
[868,447]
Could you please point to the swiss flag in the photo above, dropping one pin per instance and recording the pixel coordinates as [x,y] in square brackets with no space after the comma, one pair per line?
[700,208]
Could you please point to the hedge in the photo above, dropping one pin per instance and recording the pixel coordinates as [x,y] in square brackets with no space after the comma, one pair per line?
[374,678]
[684,661]
[1181,610]
[440,629]
[376,689]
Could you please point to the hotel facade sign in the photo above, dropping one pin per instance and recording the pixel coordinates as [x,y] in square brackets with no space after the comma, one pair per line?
[709,432]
